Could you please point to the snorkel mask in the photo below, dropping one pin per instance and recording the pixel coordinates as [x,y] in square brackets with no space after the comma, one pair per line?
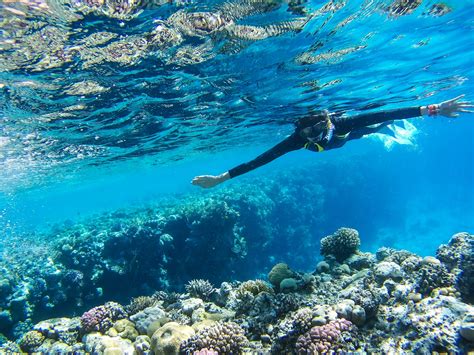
[317,128]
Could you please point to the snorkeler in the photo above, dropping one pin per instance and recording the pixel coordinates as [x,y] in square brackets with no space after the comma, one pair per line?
[324,131]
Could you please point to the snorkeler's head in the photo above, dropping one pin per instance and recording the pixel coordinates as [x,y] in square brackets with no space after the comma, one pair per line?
[312,119]
[315,126]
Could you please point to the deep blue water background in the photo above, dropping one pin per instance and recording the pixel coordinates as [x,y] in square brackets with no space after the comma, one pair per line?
[228,110]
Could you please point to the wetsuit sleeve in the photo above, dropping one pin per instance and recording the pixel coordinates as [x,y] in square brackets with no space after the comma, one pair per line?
[347,124]
[293,142]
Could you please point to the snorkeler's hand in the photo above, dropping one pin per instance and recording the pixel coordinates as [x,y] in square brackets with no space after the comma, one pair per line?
[451,108]
[207,181]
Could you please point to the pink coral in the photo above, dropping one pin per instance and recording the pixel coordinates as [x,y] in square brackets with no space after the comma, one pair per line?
[322,339]
[101,318]
[205,352]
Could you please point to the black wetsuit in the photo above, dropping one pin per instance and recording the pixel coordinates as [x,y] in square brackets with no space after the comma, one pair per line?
[346,129]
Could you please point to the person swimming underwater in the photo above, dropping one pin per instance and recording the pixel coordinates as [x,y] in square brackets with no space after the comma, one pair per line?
[326,131]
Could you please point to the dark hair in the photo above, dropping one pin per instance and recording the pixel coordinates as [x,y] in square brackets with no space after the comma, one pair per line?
[312,119]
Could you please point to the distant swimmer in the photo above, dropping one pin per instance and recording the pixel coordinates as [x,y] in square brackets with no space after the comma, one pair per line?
[324,131]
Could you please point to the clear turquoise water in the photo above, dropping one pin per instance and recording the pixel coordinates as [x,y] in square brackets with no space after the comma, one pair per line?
[158,124]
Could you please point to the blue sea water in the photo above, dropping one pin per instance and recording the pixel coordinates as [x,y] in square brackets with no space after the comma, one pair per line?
[156,122]
[109,108]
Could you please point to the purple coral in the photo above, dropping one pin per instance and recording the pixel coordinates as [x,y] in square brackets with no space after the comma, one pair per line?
[101,318]
[222,337]
[205,352]
[322,339]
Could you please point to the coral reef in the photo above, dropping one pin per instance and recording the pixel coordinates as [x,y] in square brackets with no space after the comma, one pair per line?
[422,303]
[140,303]
[252,287]
[223,337]
[166,297]
[432,275]
[391,301]
[341,244]
[168,339]
[145,318]
[160,247]
[278,273]
[200,288]
[66,330]
[323,339]
[458,256]
[101,318]
[31,341]
[467,328]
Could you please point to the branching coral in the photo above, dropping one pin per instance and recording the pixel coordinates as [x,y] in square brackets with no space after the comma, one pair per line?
[302,320]
[166,297]
[140,303]
[101,318]
[223,337]
[341,244]
[200,288]
[323,339]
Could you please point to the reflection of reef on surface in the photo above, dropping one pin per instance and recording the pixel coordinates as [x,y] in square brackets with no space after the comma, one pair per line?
[38,45]
[362,302]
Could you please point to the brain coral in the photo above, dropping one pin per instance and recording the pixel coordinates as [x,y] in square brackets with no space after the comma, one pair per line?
[167,339]
[341,244]
[223,337]
[278,273]
[323,339]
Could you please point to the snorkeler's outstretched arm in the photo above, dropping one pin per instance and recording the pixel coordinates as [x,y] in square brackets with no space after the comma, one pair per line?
[293,142]
[449,108]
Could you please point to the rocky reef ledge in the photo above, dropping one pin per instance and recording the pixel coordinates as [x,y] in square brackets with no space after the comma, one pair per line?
[392,301]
